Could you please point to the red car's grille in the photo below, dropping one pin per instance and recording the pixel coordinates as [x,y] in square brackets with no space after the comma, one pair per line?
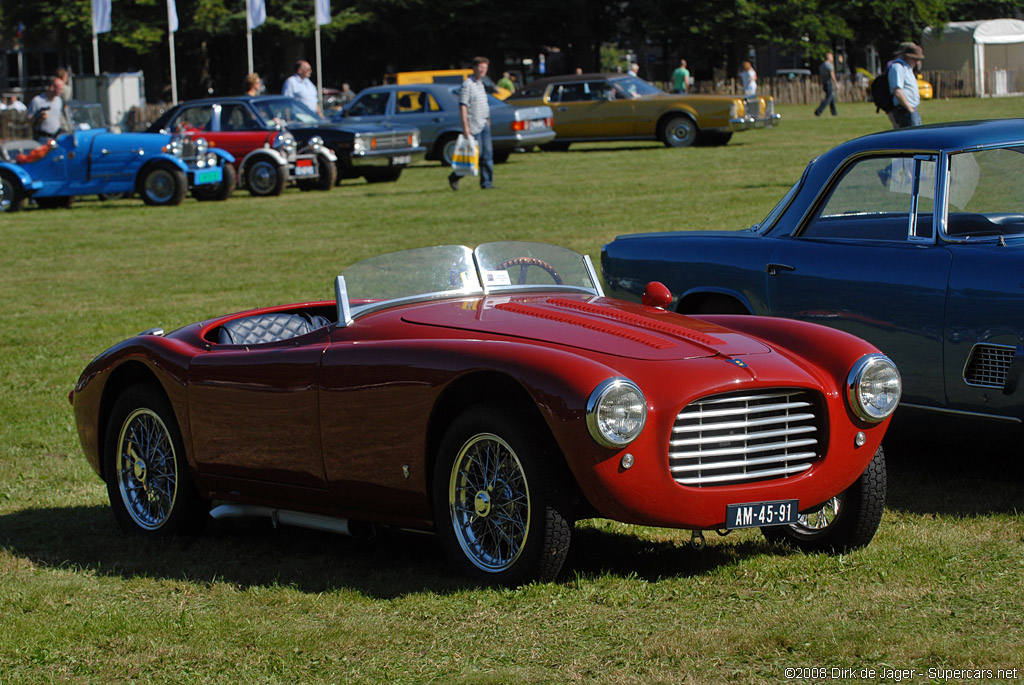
[744,437]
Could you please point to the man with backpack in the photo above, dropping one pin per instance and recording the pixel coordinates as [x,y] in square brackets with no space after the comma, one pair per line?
[903,86]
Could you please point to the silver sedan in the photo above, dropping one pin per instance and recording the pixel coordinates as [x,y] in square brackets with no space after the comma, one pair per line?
[434,109]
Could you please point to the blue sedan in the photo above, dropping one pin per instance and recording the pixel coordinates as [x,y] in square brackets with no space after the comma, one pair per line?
[912,239]
[433,108]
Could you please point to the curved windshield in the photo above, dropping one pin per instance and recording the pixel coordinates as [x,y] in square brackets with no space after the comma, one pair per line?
[286,111]
[456,271]
[635,87]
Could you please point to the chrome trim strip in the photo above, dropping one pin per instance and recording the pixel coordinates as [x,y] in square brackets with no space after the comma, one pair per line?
[741,463]
[727,451]
[781,432]
[740,424]
[341,297]
[961,412]
[798,468]
[593,275]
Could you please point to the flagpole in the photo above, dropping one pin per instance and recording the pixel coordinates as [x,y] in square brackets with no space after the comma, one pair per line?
[248,35]
[95,52]
[174,70]
[319,73]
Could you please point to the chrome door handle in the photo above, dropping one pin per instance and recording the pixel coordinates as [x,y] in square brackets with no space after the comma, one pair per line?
[773,269]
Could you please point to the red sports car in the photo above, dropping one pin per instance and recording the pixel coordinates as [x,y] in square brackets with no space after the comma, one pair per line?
[492,396]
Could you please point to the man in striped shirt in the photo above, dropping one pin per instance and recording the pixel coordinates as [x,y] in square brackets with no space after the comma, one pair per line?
[476,122]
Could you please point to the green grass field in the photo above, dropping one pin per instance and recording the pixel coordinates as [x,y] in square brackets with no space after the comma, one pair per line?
[939,588]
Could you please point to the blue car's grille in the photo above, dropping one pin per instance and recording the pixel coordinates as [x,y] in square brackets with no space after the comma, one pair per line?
[745,437]
[988,365]
[391,141]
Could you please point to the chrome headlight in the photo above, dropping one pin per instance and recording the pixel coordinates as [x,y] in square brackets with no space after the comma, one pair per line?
[616,412]
[285,143]
[414,139]
[202,147]
[316,141]
[359,145]
[874,387]
[175,146]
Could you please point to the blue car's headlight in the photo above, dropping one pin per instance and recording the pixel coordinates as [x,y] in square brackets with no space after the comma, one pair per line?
[874,387]
[616,412]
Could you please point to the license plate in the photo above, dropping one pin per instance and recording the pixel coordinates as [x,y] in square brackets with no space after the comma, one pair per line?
[209,176]
[761,514]
[304,167]
[401,159]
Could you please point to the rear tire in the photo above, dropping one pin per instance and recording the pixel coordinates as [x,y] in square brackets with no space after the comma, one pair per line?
[12,194]
[55,202]
[497,507]
[446,149]
[847,521]
[327,175]
[218,192]
[149,485]
[501,156]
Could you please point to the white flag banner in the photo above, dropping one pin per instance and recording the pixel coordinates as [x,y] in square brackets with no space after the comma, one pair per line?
[323,12]
[172,15]
[257,12]
[100,16]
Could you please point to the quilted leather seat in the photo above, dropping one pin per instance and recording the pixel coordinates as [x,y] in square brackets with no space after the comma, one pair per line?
[267,328]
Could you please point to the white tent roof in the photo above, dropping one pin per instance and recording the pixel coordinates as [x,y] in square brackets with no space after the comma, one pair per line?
[984,32]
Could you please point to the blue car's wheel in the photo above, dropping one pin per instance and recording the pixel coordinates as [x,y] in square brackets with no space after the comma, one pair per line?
[218,192]
[148,482]
[162,184]
[12,195]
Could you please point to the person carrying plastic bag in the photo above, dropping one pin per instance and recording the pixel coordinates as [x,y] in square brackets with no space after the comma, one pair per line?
[476,124]
[466,160]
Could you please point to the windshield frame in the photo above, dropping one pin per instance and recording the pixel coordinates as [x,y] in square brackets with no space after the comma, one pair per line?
[475,283]
[262,109]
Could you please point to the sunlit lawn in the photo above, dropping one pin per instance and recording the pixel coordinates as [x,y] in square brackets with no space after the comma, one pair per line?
[940,587]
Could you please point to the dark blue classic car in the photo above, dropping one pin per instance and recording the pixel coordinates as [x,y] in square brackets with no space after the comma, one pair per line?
[911,239]
[160,168]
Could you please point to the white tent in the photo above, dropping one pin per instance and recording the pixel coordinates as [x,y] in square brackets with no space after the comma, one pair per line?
[989,53]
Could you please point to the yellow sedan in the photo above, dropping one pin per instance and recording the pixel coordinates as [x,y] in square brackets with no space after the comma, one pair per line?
[597,107]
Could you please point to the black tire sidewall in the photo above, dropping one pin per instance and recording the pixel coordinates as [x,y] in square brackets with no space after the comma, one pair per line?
[189,513]
[549,533]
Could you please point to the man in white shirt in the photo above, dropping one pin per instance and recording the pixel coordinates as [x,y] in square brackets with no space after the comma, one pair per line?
[476,122]
[903,86]
[45,110]
[301,88]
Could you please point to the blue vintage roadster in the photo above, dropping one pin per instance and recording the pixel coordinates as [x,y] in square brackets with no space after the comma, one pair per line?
[911,239]
[160,168]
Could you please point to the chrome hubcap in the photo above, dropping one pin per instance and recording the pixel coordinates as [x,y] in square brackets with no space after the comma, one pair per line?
[262,177]
[147,472]
[160,186]
[820,519]
[489,502]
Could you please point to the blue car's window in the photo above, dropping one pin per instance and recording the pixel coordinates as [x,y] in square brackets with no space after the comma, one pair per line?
[415,102]
[370,105]
[874,199]
[986,197]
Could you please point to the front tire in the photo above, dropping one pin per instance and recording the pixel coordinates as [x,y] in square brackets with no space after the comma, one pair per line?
[148,481]
[163,185]
[497,508]
[385,175]
[218,192]
[264,177]
[679,131]
[847,521]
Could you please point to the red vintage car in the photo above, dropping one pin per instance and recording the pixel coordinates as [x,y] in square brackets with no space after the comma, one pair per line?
[492,396]
[266,158]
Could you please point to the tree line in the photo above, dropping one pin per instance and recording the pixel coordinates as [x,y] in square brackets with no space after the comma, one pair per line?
[368,38]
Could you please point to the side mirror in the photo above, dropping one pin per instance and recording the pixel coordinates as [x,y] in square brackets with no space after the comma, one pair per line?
[656,295]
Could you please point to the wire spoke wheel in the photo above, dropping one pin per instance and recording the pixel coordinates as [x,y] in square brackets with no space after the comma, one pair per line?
[147,471]
[815,522]
[489,501]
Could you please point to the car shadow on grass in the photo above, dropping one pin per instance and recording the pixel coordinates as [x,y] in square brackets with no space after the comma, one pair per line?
[251,553]
[951,479]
